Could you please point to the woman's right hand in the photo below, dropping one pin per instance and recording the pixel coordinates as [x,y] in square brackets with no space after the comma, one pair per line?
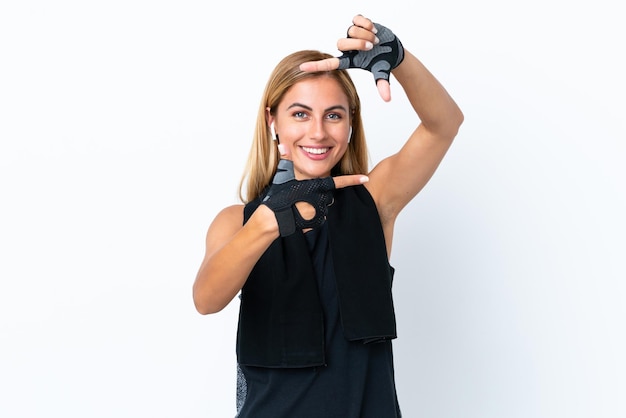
[302,204]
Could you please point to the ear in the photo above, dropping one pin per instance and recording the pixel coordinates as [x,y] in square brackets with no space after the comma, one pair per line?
[269,118]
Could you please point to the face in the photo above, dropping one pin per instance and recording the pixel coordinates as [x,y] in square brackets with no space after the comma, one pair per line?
[313,125]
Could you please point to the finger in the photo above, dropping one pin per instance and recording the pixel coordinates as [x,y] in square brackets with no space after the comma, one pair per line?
[284,155]
[364,22]
[327,64]
[349,180]
[384,89]
[357,32]
[355,44]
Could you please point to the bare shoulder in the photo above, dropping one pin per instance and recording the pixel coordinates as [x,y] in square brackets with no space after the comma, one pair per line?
[226,224]
[230,214]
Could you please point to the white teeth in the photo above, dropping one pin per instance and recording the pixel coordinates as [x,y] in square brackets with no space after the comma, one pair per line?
[317,151]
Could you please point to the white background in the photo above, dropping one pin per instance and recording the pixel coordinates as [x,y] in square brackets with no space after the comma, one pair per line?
[124,128]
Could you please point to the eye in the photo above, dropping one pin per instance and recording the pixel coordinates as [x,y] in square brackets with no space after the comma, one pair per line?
[299,114]
[334,116]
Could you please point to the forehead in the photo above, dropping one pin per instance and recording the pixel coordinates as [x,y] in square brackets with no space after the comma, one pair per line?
[316,92]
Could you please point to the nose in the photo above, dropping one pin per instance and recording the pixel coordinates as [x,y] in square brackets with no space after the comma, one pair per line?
[317,130]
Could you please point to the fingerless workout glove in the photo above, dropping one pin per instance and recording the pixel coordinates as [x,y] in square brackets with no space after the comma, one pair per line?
[285,191]
[380,60]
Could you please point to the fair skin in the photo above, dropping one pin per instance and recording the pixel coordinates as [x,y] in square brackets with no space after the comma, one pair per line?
[312,122]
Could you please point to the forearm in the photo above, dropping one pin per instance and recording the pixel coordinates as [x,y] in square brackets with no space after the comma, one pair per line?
[224,272]
[437,111]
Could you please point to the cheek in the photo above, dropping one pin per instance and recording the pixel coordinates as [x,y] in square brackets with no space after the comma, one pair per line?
[342,135]
[292,133]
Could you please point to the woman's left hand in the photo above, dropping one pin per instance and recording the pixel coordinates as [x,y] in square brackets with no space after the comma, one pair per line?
[369,46]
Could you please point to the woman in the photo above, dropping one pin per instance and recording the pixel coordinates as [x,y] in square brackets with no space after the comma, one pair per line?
[309,249]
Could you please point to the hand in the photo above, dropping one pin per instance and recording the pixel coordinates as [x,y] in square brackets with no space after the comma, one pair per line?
[313,195]
[369,46]
[285,191]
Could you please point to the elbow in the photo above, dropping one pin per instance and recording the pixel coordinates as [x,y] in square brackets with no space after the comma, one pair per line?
[205,304]
[202,309]
[447,125]
[460,118]
[456,120]
[207,308]
[453,124]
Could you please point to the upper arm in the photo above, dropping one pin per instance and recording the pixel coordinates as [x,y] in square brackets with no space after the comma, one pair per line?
[397,179]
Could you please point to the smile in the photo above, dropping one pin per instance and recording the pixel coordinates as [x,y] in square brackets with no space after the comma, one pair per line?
[317,151]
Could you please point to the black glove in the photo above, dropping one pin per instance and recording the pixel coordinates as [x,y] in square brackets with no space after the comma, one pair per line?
[285,191]
[380,60]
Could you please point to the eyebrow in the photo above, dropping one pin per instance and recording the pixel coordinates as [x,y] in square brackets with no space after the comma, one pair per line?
[340,107]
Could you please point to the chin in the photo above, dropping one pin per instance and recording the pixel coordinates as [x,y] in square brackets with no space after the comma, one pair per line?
[314,174]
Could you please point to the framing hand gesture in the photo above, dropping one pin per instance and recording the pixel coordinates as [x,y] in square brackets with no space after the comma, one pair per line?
[369,46]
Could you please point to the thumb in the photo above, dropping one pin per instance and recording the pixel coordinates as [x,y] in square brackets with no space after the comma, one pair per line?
[384,89]
[350,180]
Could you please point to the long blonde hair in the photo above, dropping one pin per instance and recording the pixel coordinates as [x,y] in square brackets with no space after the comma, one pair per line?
[263,157]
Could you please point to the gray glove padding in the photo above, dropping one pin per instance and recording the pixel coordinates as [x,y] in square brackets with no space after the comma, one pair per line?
[285,191]
[380,60]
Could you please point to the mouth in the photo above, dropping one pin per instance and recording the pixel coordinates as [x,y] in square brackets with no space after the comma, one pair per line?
[316,150]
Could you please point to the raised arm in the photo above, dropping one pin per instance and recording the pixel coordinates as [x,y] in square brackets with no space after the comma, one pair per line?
[397,179]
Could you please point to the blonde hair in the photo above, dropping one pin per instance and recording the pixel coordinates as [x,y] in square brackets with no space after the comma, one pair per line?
[263,157]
